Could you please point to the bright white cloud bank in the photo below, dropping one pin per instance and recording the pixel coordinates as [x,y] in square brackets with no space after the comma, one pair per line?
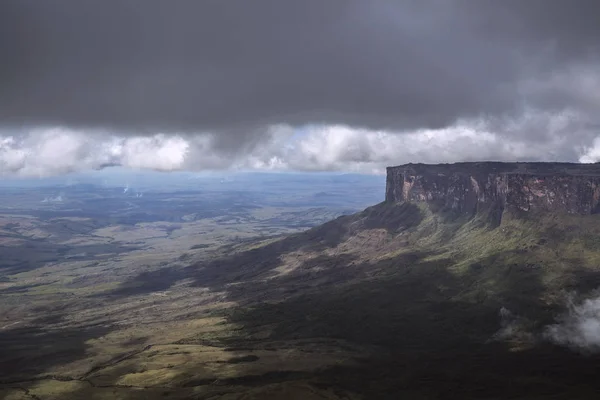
[45,152]
[53,151]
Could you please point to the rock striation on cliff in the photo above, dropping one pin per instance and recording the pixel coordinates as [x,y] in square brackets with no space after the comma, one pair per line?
[494,186]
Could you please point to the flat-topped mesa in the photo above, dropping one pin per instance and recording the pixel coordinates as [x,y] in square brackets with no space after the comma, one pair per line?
[471,187]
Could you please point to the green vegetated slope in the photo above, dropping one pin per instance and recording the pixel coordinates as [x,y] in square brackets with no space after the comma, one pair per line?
[398,301]
[426,289]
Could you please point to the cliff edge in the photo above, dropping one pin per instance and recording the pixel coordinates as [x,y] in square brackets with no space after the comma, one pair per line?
[470,187]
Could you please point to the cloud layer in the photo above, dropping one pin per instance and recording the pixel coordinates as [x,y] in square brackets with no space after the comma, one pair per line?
[44,152]
[208,84]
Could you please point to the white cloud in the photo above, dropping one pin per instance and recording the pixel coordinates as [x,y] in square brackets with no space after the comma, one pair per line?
[54,151]
[579,327]
[44,152]
[361,150]
[159,152]
[592,153]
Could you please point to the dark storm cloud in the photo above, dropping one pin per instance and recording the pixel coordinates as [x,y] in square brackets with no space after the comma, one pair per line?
[236,66]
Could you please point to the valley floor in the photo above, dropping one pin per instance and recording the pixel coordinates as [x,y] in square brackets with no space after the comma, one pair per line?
[394,302]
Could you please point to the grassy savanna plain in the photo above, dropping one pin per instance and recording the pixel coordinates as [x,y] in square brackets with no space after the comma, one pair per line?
[84,310]
[396,301]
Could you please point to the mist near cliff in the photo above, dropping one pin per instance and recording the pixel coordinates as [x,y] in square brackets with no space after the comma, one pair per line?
[279,85]
[579,326]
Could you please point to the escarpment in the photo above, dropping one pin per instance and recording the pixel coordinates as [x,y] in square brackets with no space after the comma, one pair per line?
[467,188]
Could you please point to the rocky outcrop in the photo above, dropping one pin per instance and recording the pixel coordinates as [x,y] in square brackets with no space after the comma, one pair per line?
[470,187]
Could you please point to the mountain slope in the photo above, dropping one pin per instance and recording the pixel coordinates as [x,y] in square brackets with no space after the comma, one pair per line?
[442,303]
[441,293]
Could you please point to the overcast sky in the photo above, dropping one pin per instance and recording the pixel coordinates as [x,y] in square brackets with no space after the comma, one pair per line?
[348,85]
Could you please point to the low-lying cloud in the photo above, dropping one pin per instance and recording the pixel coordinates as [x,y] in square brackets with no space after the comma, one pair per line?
[579,327]
[54,151]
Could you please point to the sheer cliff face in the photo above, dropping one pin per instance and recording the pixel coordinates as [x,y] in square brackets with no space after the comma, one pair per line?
[471,187]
